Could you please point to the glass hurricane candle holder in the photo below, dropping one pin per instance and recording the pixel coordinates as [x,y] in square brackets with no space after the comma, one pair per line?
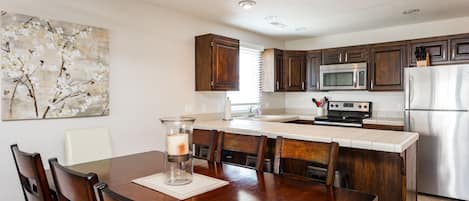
[178,164]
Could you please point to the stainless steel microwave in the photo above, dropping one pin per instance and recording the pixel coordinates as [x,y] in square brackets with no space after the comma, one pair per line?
[343,77]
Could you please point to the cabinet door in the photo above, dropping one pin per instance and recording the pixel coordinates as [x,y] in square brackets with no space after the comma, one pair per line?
[438,51]
[460,49]
[313,61]
[356,55]
[387,65]
[279,75]
[332,56]
[294,72]
[225,65]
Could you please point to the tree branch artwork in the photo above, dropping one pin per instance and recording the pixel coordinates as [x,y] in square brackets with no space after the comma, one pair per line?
[52,69]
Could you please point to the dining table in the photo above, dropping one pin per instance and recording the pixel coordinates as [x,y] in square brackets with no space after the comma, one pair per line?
[245,184]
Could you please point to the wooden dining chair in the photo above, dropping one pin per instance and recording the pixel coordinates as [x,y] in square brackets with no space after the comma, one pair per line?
[321,154]
[103,193]
[253,145]
[32,176]
[204,138]
[71,185]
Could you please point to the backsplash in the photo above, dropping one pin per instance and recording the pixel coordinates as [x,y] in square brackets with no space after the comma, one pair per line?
[385,104]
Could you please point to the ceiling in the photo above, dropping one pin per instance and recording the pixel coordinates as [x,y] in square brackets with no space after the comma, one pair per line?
[309,18]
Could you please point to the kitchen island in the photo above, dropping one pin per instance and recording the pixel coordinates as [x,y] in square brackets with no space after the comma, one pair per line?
[375,161]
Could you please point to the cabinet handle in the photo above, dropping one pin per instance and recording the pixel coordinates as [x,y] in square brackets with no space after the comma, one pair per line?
[346,57]
[211,83]
[340,58]
[444,54]
[453,55]
[372,85]
[317,84]
[278,85]
[303,85]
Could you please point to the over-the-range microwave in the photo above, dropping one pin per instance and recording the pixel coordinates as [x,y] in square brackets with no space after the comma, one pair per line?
[343,77]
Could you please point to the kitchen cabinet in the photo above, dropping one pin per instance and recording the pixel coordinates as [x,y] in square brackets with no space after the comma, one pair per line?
[293,71]
[216,63]
[345,55]
[313,62]
[272,62]
[460,49]
[437,48]
[386,67]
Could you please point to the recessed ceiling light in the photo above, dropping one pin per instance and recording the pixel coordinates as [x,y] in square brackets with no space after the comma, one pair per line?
[301,29]
[276,22]
[411,11]
[247,4]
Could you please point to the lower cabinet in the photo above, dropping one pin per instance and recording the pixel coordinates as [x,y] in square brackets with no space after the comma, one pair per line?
[386,67]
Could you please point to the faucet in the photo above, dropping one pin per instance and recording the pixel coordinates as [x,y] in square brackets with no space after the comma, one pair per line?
[254,112]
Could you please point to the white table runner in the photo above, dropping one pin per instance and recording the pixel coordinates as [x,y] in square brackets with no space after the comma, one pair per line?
[200,184]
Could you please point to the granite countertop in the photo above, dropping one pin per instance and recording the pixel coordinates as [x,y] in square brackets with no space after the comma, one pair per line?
[377,140]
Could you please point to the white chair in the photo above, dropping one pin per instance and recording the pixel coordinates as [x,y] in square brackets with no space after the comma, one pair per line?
[85,145]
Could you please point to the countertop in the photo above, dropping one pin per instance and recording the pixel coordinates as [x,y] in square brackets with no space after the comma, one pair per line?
[370,139]
[384,121]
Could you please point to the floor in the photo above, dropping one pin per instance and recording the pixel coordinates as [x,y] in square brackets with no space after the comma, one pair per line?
[430,198]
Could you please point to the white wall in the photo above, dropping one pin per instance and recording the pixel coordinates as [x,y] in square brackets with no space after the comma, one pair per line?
[385,103]
[152,75]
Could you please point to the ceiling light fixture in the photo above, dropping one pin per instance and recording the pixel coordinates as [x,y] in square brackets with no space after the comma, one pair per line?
[247,4]
[411,11]
[276,22]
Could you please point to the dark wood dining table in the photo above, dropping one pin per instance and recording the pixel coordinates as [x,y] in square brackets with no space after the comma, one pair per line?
[245,184]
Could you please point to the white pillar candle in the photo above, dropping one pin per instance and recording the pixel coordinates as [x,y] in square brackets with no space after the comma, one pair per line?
[177,144]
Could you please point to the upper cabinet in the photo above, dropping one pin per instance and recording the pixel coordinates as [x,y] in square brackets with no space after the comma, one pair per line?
[293,71]
[272,62]
[345,55]
[438,50]
[459,48]
[216,63]
[313,61]
[387,63]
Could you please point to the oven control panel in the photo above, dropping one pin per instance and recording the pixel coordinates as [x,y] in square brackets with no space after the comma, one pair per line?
[350,106]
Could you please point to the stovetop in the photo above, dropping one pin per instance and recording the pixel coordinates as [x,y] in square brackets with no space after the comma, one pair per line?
[342,113]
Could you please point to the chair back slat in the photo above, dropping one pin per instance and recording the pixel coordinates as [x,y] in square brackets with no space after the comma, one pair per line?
[309,151]
[72,185]
[208,139]
[103,193]
[240,143]
[254,145]
[32,175]
[325,154]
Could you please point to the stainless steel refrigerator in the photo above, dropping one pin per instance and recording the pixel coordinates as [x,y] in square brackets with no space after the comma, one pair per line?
[436,106]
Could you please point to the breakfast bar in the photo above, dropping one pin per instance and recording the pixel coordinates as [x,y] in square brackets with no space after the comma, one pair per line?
[380,162]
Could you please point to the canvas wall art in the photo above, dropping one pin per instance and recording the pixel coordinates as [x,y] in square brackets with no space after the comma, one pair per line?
[52,69]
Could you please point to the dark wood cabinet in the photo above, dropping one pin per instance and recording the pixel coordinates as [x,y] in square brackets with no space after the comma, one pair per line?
[331,56]
[356,54]
[216,63]
[460,49]
[345,55]
[313,62]
[437,48]
[279,81]
[386,67]
[294,71]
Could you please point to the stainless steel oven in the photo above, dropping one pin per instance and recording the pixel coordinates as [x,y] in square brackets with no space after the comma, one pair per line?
[343,77]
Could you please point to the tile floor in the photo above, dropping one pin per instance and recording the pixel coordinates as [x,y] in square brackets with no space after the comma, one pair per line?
[430,198]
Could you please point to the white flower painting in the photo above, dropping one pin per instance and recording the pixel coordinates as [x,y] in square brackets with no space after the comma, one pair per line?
[52,69]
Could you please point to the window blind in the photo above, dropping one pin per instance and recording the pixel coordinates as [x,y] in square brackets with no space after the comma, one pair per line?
[250,75]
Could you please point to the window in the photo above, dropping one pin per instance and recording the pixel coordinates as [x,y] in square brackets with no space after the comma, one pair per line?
[249,80]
